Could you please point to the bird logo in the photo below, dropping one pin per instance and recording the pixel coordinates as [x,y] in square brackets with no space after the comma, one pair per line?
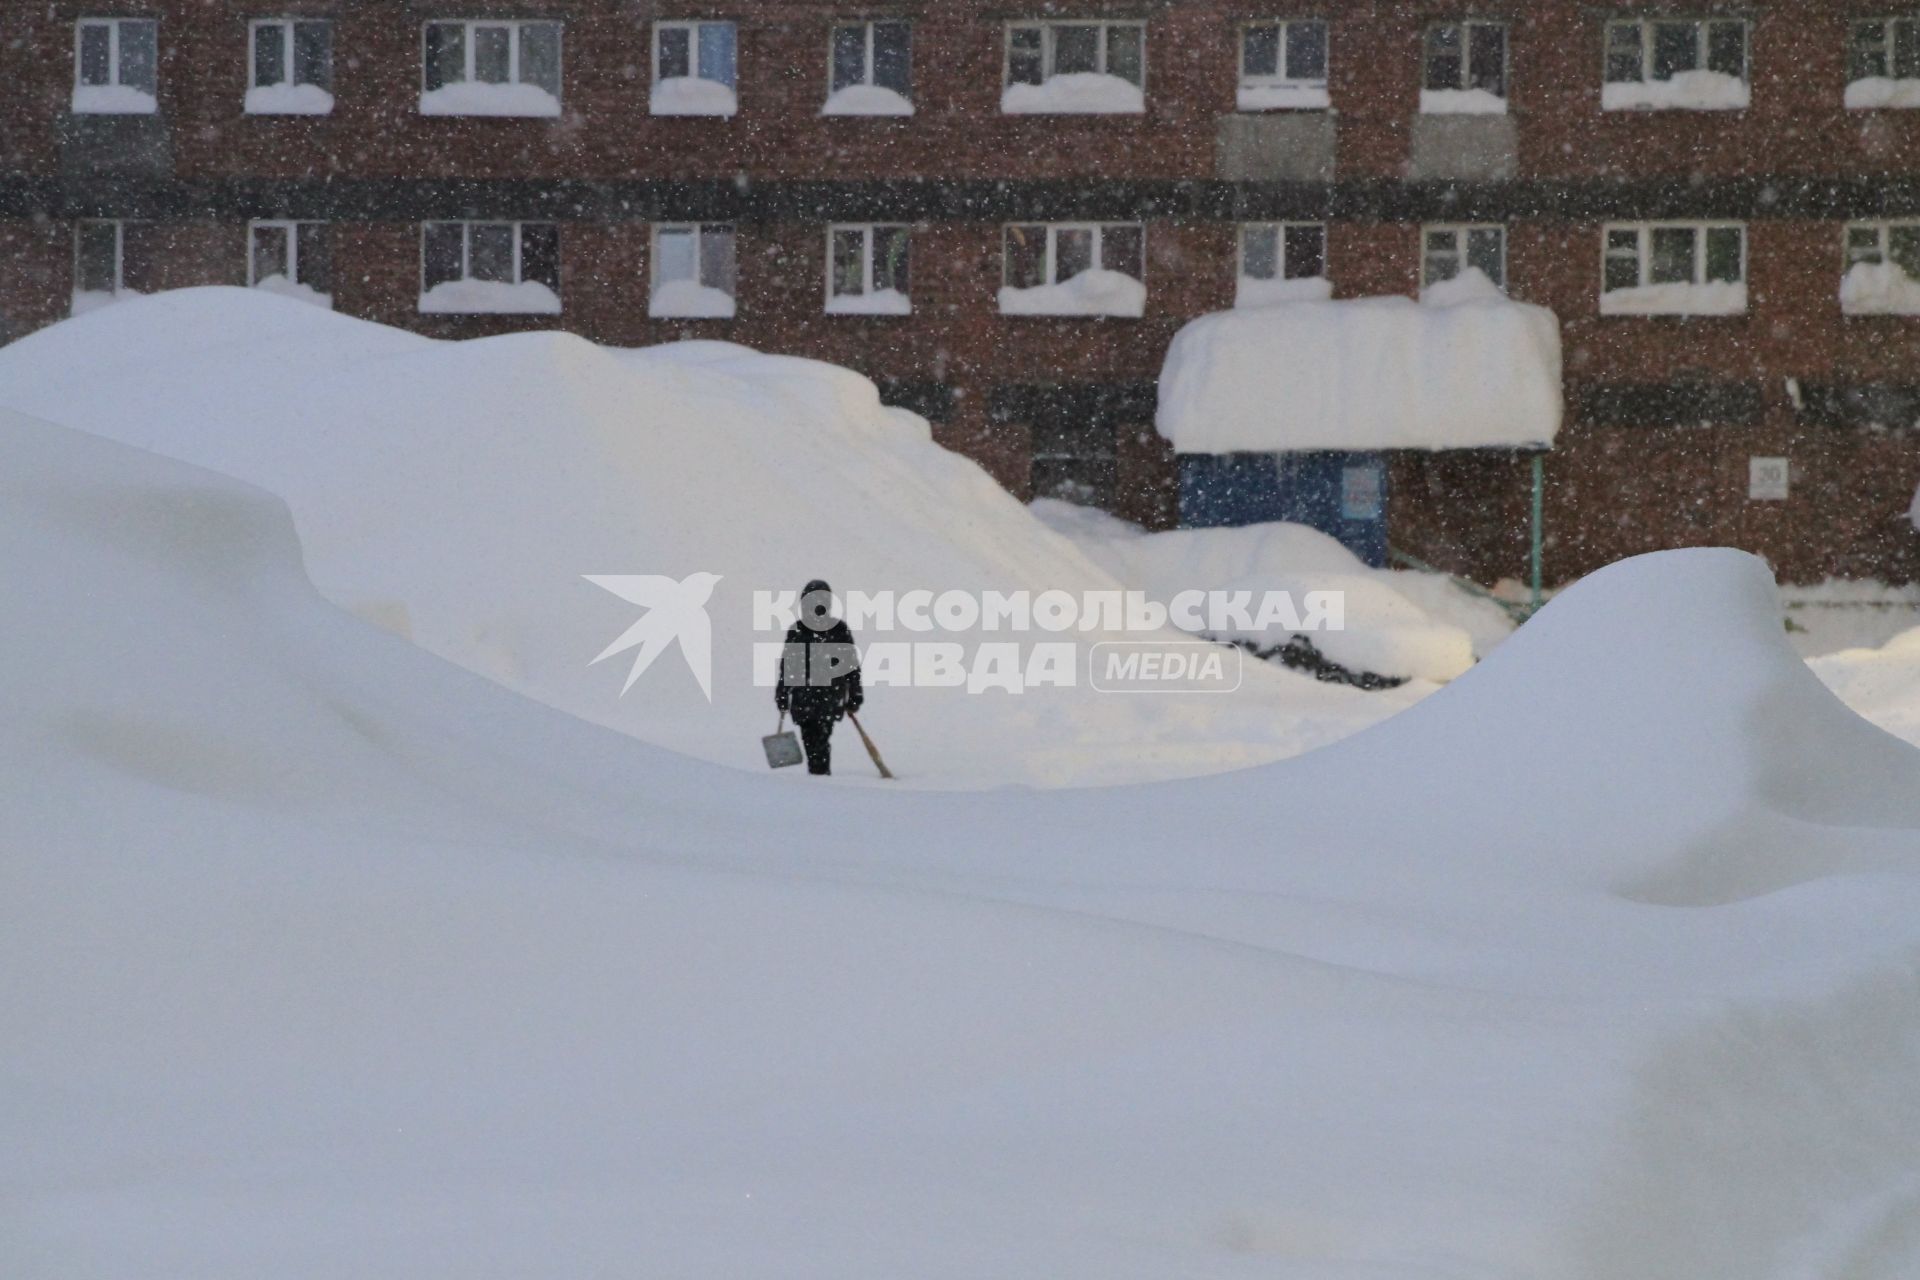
[674,611]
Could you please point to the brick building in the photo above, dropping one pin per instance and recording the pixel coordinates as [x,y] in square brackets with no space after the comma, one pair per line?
[1685,185]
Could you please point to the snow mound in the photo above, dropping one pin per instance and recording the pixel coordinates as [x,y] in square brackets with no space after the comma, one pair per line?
[1371,373]
[1879,289]
[1075,93]
[1097,292]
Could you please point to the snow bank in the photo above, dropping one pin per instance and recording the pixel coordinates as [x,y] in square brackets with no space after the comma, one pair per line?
[290,100]
[1597,964]
[1075,93]
[1373,373]
[1284,97]
[1686,91]
[1461,102]
[1471,285]
[690,300]
[280,286]
[692,96]
[1882,684]
[1091,293]
[881,302]
[113,100]
[1716,299]
[866,100]
[1879,289]
[1252,292]
[473,98]
[88,300]
[1874,93]
[490,297]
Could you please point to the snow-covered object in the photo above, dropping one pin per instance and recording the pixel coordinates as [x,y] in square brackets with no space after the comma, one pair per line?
[690,300]
[1251,291]
[1091,293]
[285,288]
[1370,373]
[1879,289]
[291,100]
[1874,93]
[1686,91]
[1284,97]
[881,302]
[692,96]
[113,100]
[1880,683]
[1471,285]
[476,98]
[1597,964]
[867,100]
[1717,298]
[1383,631]
[1075,93]
[1462,102]
[490,298]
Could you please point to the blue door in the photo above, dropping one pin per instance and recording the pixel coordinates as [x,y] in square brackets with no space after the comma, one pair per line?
[1342,494]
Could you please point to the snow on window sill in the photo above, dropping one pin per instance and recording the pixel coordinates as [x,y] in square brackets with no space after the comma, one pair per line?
[686,300]
[1254,292]
[1716,299]
[1879,289]
[113,100]
[1076,93]
[1277,96]
[85,300]
[1461,102]
[280,286]
[489,298]
[1878,93]
[1091,293]
[692,96]
[288,100]
[1687,91]
[472,99]
[885,302]
[1471,285]
[866,100]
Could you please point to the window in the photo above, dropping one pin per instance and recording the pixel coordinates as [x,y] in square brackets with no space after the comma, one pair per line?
[1679,268]
[116,66]
[1883,63]
[1283,64]
[496,268]
[290,67]
[871,71]
[1075,67]
[693,69]
[694,271]
[1882,269]
[109,262]
[1095,269]
[867,270]
[489,68]
[1684,64]
[1282,262]
[291,258]
[1447,252]
[1466,69]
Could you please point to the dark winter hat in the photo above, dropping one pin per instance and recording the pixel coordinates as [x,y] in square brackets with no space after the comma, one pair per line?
[816,604]
[818,584]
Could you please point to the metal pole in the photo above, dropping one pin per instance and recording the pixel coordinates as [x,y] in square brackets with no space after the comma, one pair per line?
[1539,523]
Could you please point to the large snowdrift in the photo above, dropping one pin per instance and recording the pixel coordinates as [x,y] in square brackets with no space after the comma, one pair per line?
[326,958]
[458,492]
[1368,373]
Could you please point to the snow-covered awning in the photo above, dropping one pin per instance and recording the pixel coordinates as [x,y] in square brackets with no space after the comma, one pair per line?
[1478,371]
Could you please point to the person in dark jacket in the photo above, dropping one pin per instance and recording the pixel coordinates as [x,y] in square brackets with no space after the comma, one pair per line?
[819,675]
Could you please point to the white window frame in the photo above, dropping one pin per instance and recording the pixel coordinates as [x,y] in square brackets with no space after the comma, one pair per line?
[1702,44]
[700,230]
[1889,42]
[866,26]
[692,27]
[1280,79]
[867,232]
[286,26]
[119,226]
[1883,229]
[1280,230]
[1099,230]
[1050,28]
[466,246]
[114,25]
[469,50]
[1462,230]
[1643,253]
[292,227]
[1467,26]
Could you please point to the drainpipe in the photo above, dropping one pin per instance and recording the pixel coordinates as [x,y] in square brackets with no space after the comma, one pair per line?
[1539,523]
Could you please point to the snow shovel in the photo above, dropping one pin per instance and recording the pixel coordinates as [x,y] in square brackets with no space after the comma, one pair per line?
[872,750]
[782,746]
